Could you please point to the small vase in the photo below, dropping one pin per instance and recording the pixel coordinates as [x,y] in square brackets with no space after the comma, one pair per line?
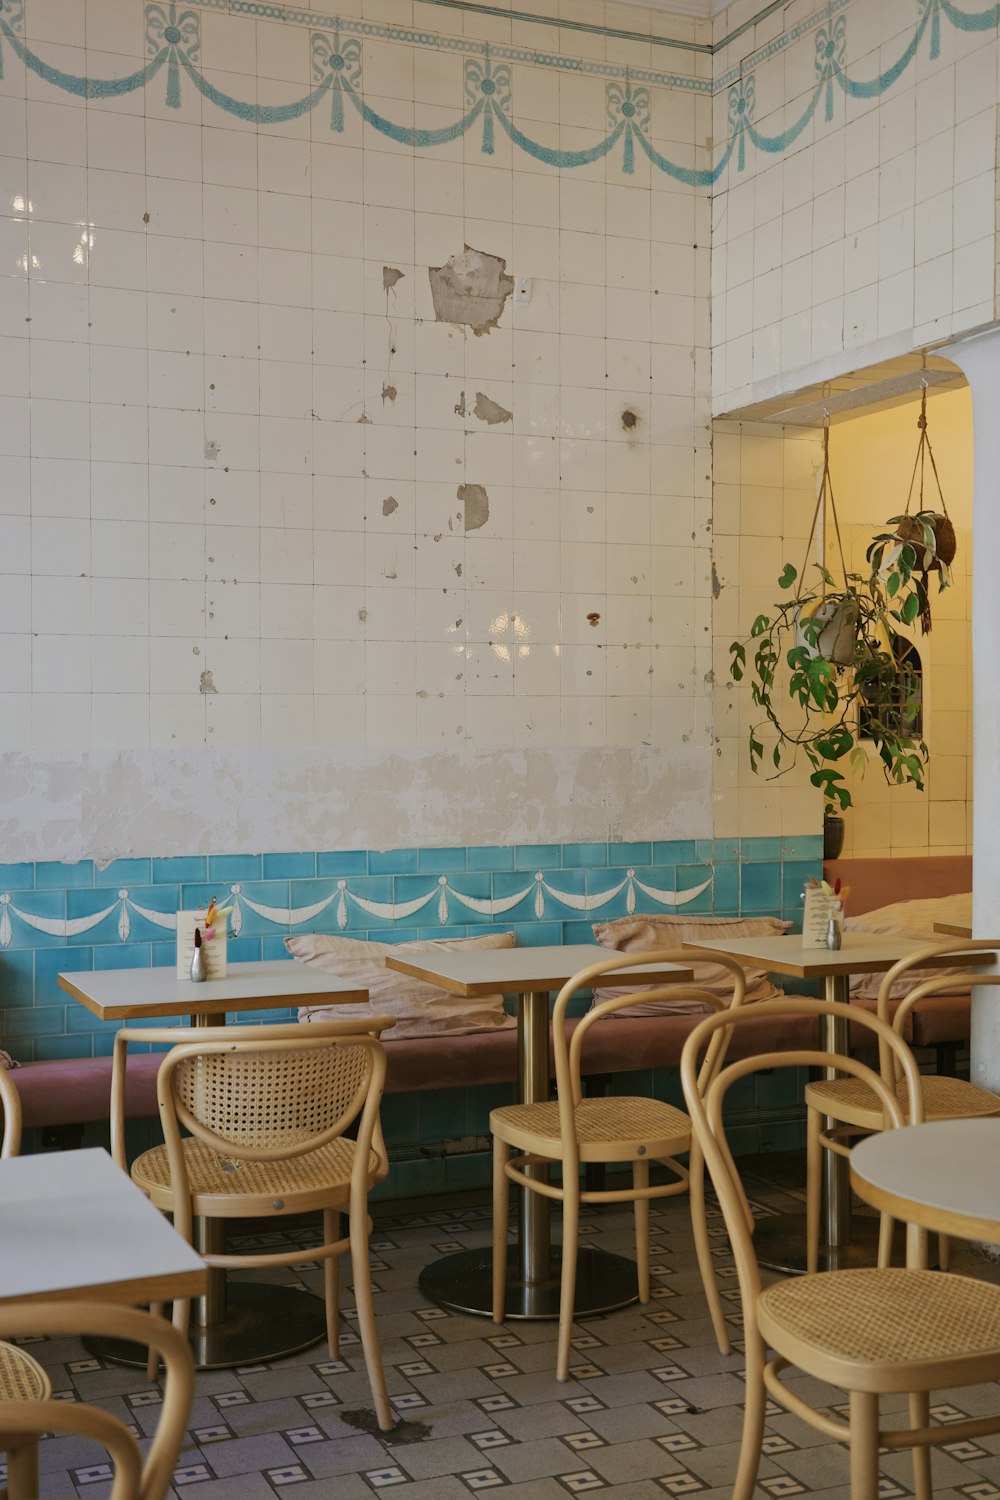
[834,937]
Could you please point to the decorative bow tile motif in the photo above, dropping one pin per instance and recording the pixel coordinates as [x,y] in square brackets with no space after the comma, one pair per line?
[179,34]
[337,63]
[489,84]
[628,106]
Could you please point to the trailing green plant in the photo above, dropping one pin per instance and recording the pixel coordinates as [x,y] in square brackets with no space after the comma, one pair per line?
[826,652]
[827,693]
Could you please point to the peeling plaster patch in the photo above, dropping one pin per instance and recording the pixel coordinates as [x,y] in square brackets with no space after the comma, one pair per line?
[460,408]
[471,288]
[362,615]
[212,449]
[716,581]
[389,504]
[458,571]
[364,417]
[491,411]
[594,619]
[629,419]
[389,393]
[476,505]
[206,685]
[390,276]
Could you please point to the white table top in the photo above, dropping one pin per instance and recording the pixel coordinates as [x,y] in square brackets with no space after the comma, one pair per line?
[946,1170]
[862,953]
[520,971]
[73,1224]
[121,994]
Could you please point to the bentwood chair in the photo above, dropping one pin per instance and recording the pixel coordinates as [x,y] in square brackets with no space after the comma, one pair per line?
[139,1475]
[575,1132]
[871,1331]
[10,1103]
[852,1105]
[21,1377]
[255,1123]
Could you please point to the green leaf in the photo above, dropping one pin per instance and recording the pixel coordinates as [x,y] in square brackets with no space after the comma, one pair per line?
[859,760]
[788,576]
[759,625]
[892,584]
[911,608]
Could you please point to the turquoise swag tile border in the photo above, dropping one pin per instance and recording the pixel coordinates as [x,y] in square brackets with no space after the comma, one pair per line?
[56,917]
[173,52]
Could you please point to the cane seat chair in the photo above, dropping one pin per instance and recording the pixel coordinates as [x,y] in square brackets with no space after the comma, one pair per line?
[255,1124]
[855,1110]
[871,1331]
[575,1132]
[21,1377]
[141,1472]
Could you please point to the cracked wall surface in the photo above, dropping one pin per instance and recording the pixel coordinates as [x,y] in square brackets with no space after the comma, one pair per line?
[316,536]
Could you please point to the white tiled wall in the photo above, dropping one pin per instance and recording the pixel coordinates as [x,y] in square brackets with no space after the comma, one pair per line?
[872,232]
[230,458]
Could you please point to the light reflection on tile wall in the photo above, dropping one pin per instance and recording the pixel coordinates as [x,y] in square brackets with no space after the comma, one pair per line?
[235,514]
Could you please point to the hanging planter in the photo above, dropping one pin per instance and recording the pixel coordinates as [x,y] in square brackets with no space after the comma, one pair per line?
[920,544]
[824,652]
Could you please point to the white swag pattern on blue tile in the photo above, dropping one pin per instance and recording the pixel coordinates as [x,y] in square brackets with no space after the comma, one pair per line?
[386,911]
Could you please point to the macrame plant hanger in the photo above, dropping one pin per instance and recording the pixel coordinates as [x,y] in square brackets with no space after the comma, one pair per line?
[941,554]
[836,640]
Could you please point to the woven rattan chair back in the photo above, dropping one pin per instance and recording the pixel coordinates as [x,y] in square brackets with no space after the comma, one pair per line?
[272,1099]
[10,1103]
[136,1477]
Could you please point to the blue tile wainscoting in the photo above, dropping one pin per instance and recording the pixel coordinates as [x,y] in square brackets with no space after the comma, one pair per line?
[57,917]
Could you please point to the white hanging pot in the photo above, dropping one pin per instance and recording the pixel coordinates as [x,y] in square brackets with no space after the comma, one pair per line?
[837,640]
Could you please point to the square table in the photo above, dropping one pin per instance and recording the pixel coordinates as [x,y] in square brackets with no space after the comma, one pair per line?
[463,1281]
[73,1224]
[780,1240]
[137,994]
[242,1322]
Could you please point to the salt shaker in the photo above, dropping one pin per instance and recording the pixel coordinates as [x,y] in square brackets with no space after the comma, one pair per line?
[833,933]
[198,973]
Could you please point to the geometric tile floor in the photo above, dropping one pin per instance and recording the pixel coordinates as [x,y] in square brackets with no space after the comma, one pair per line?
[651,1410]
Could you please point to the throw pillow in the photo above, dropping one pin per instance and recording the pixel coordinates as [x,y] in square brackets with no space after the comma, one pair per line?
[421,1009]
[913,919]
[646,931]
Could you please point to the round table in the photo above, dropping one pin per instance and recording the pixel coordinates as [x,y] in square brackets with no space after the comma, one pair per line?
[942,1176]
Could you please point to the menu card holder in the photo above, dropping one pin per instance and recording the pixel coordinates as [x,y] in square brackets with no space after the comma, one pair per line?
[213,951]
[820,905]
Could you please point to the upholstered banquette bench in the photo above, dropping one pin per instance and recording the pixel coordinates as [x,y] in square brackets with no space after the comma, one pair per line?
[77,1091]
[909,896]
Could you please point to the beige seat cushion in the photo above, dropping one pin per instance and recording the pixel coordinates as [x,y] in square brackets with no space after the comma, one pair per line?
[420,1009]
[913,919]
[643,932]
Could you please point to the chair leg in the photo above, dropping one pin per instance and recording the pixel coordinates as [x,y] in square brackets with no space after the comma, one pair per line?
[567,1291]
[886,1226]
[331,1282]
[640,1179]
[753,1421]
[864,1445]
[501,1214]
[944,1252]
[366,1317]
[22,1470]
[920,1416]
[814,1175]
[595,1086]
[703,1248]
[159,1310]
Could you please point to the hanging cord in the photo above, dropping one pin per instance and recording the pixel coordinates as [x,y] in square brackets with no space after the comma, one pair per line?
[924,451]
[825,492]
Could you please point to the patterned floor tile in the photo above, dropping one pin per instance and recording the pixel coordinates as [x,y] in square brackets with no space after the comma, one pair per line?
[651,1407]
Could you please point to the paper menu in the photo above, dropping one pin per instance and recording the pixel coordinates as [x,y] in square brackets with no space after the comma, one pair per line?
[214,950]
[816,916]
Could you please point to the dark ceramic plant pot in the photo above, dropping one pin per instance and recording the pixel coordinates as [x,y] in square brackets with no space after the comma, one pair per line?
[833,835]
